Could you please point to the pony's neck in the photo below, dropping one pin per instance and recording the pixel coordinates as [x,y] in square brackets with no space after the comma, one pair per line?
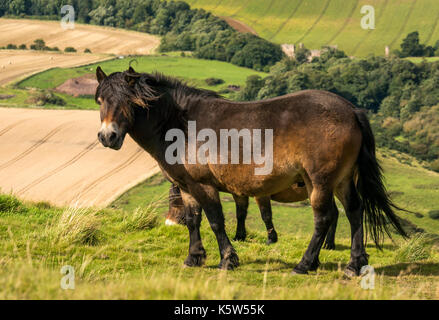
[151,124]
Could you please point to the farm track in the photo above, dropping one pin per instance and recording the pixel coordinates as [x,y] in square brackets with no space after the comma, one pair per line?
[427,40]
[240,8]
[218,4]
[406,20]
[110,173]
[345,24]
[33,147]
[381,13]
[315,22]
[53,156]
[287,20]
[12,126]
[58,169]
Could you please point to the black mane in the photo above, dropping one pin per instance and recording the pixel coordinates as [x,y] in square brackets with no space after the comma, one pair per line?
[152,87]
[146,90]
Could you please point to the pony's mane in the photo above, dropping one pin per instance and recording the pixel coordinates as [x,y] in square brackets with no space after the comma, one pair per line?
[151,87]
[146,90]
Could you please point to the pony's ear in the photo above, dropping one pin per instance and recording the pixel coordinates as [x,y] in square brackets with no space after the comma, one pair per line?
[130,79]
[131,70]
[100,74]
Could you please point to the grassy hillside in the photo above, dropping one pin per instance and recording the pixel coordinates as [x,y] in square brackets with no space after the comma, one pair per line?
[333,22]
[123,252]
[194,71]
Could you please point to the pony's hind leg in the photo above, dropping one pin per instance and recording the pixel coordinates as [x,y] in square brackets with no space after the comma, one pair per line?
[322,204]
[197,254]
[241,214]
[264,204]
[330,237]
[347,194]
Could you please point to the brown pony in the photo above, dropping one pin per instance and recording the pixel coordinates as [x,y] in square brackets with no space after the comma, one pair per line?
[297,192]
[318,137]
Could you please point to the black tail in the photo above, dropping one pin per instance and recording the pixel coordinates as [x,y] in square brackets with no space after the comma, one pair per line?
[376,203]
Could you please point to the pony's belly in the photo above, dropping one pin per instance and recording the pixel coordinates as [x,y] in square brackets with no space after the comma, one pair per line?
[292,194]
[242,181]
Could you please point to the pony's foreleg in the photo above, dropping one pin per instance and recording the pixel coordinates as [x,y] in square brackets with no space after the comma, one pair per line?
[176,213]
[264,204]
[197,254]
[209,199]
[330,237]
[241,214]
[322,204]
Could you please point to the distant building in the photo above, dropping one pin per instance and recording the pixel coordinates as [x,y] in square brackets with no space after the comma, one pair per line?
[289,49]
[314,53]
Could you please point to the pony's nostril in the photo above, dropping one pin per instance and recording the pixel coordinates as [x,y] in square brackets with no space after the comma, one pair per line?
[113,136]
[99,135]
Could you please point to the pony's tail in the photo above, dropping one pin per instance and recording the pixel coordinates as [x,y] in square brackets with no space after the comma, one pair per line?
[377,205]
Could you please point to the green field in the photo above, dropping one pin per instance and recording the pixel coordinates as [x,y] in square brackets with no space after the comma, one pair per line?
[194,71]
[121,253]
[333,22]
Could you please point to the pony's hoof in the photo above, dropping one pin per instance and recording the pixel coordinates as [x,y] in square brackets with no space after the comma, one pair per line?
[314,266]
[300,269]
[298,272]
[229,263]
[239,237]
[193,260]
[271,241]
[329,246]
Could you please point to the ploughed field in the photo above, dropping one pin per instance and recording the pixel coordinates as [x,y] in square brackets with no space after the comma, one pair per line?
[102,41]
[54,156]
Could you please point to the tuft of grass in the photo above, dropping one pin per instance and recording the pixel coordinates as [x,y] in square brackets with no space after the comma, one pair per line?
[9,203]
[77,226]
[418,248]
[434,214]
[142,218]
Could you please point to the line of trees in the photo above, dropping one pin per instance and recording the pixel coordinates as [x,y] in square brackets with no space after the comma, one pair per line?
[181,27]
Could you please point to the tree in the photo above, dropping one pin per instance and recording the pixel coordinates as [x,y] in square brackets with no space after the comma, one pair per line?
[302,55]
[253,84]
[410,46]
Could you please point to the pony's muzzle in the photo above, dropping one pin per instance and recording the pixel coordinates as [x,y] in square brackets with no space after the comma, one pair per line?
[110,136]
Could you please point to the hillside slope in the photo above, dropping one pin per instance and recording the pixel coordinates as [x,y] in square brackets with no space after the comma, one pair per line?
[333,22]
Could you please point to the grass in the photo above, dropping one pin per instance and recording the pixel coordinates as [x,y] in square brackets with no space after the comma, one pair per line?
[137,257]
[418,248]
[142,218]
[194,71]
[147,264]
[336,22]
[76,226]
[421,59]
